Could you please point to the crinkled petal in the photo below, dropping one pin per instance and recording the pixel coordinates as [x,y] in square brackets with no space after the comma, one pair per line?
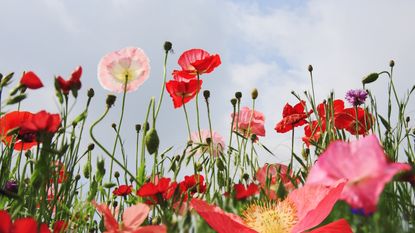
[152,229]
[109,221]
[5,221]
[220,221]
[314,203]
[339,226]
[135,215]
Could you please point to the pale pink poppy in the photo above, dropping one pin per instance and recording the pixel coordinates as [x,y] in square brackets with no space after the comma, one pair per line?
[132,218]
[245,119]
[302,210]
[130,64]
[218,143]
[276,174]
[363,163]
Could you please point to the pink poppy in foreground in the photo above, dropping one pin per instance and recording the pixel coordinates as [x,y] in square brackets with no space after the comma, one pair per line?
[196,61]
[364,164]
[216,140]
[246,122]
[303,209]
[126,66]
[132,218]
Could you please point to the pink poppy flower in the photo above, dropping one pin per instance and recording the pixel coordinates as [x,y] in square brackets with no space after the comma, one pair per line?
[303,209]
[196,61]
[129,63]
[276,173]
[245,119]
[218,143]
[132,218]
[363,163]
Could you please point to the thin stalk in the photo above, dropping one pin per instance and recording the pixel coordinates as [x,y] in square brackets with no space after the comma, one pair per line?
[163,85]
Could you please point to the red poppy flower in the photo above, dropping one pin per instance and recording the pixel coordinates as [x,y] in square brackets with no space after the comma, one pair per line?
[242,192]
[313,131]
[182,92]
[196,61]
[73,83]
[158,191]
[359,123]
[31,80]
[29,126]
[59,171]
[60,226]
[123,190]
[292,117]
[193,184]
[21,225]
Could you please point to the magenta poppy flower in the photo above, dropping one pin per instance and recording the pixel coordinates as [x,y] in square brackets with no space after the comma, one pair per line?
[132,218]
[129,66]
[303,209]
[363,163]
[246,118]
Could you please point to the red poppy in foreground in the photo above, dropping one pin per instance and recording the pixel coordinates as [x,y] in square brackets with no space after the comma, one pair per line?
[22,225]
[159,191]
[31,80]
[182,92]
[60,226]
[196,61]
[302,210]
[28,127]
[292,117]
[363,163]
[132,218]
[122,190]
[73,83]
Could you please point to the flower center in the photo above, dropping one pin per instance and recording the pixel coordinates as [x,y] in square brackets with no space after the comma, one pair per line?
[274,217]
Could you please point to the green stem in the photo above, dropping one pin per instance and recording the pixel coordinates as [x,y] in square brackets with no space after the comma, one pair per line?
[163,86]
[141,171]
[197,111]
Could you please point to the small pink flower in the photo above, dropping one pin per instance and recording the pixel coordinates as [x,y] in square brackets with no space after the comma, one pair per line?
[129,63]
[245,119]
[132,218]
[363,163]
[218,143]
[302,210]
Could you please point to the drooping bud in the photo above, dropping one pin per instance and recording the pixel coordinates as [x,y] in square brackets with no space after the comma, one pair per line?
[116,174]
[233,101]
[90,92]
[114,126]
[91,146]
[206,94]
[254,93]
[245,176]
[167,46]
[138,128]
[110,100]
[370,78]
[152,141]
[238,95]
[392,63]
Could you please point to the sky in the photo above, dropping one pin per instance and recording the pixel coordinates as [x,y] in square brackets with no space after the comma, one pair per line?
[266,45]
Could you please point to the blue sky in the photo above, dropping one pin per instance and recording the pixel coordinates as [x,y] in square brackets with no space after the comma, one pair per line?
[263,44]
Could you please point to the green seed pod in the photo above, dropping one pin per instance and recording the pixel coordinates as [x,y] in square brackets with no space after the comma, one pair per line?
[254,93]
[238,95]
[109,185]
[167,46]
[370,78]
[220,164]
[110,100]
[152,141]
[87,170]
[234,101]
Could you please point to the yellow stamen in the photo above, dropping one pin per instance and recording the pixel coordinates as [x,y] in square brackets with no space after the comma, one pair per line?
[274,217]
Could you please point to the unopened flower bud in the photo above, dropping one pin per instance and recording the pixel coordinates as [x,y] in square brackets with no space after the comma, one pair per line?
[408,119]
[116,174]
[208,140]
[220,165]
[167,46]
[152,141]
[155,221]
[370,78]
[206,94]
[77,177]
[254,93]
[115,204]
[91,92]
[138,128]
[114,126]
[91,146]
[238,95]
[110,100]
[233,101]
[199,167]
[245,176]
[310,68]
[392,63]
